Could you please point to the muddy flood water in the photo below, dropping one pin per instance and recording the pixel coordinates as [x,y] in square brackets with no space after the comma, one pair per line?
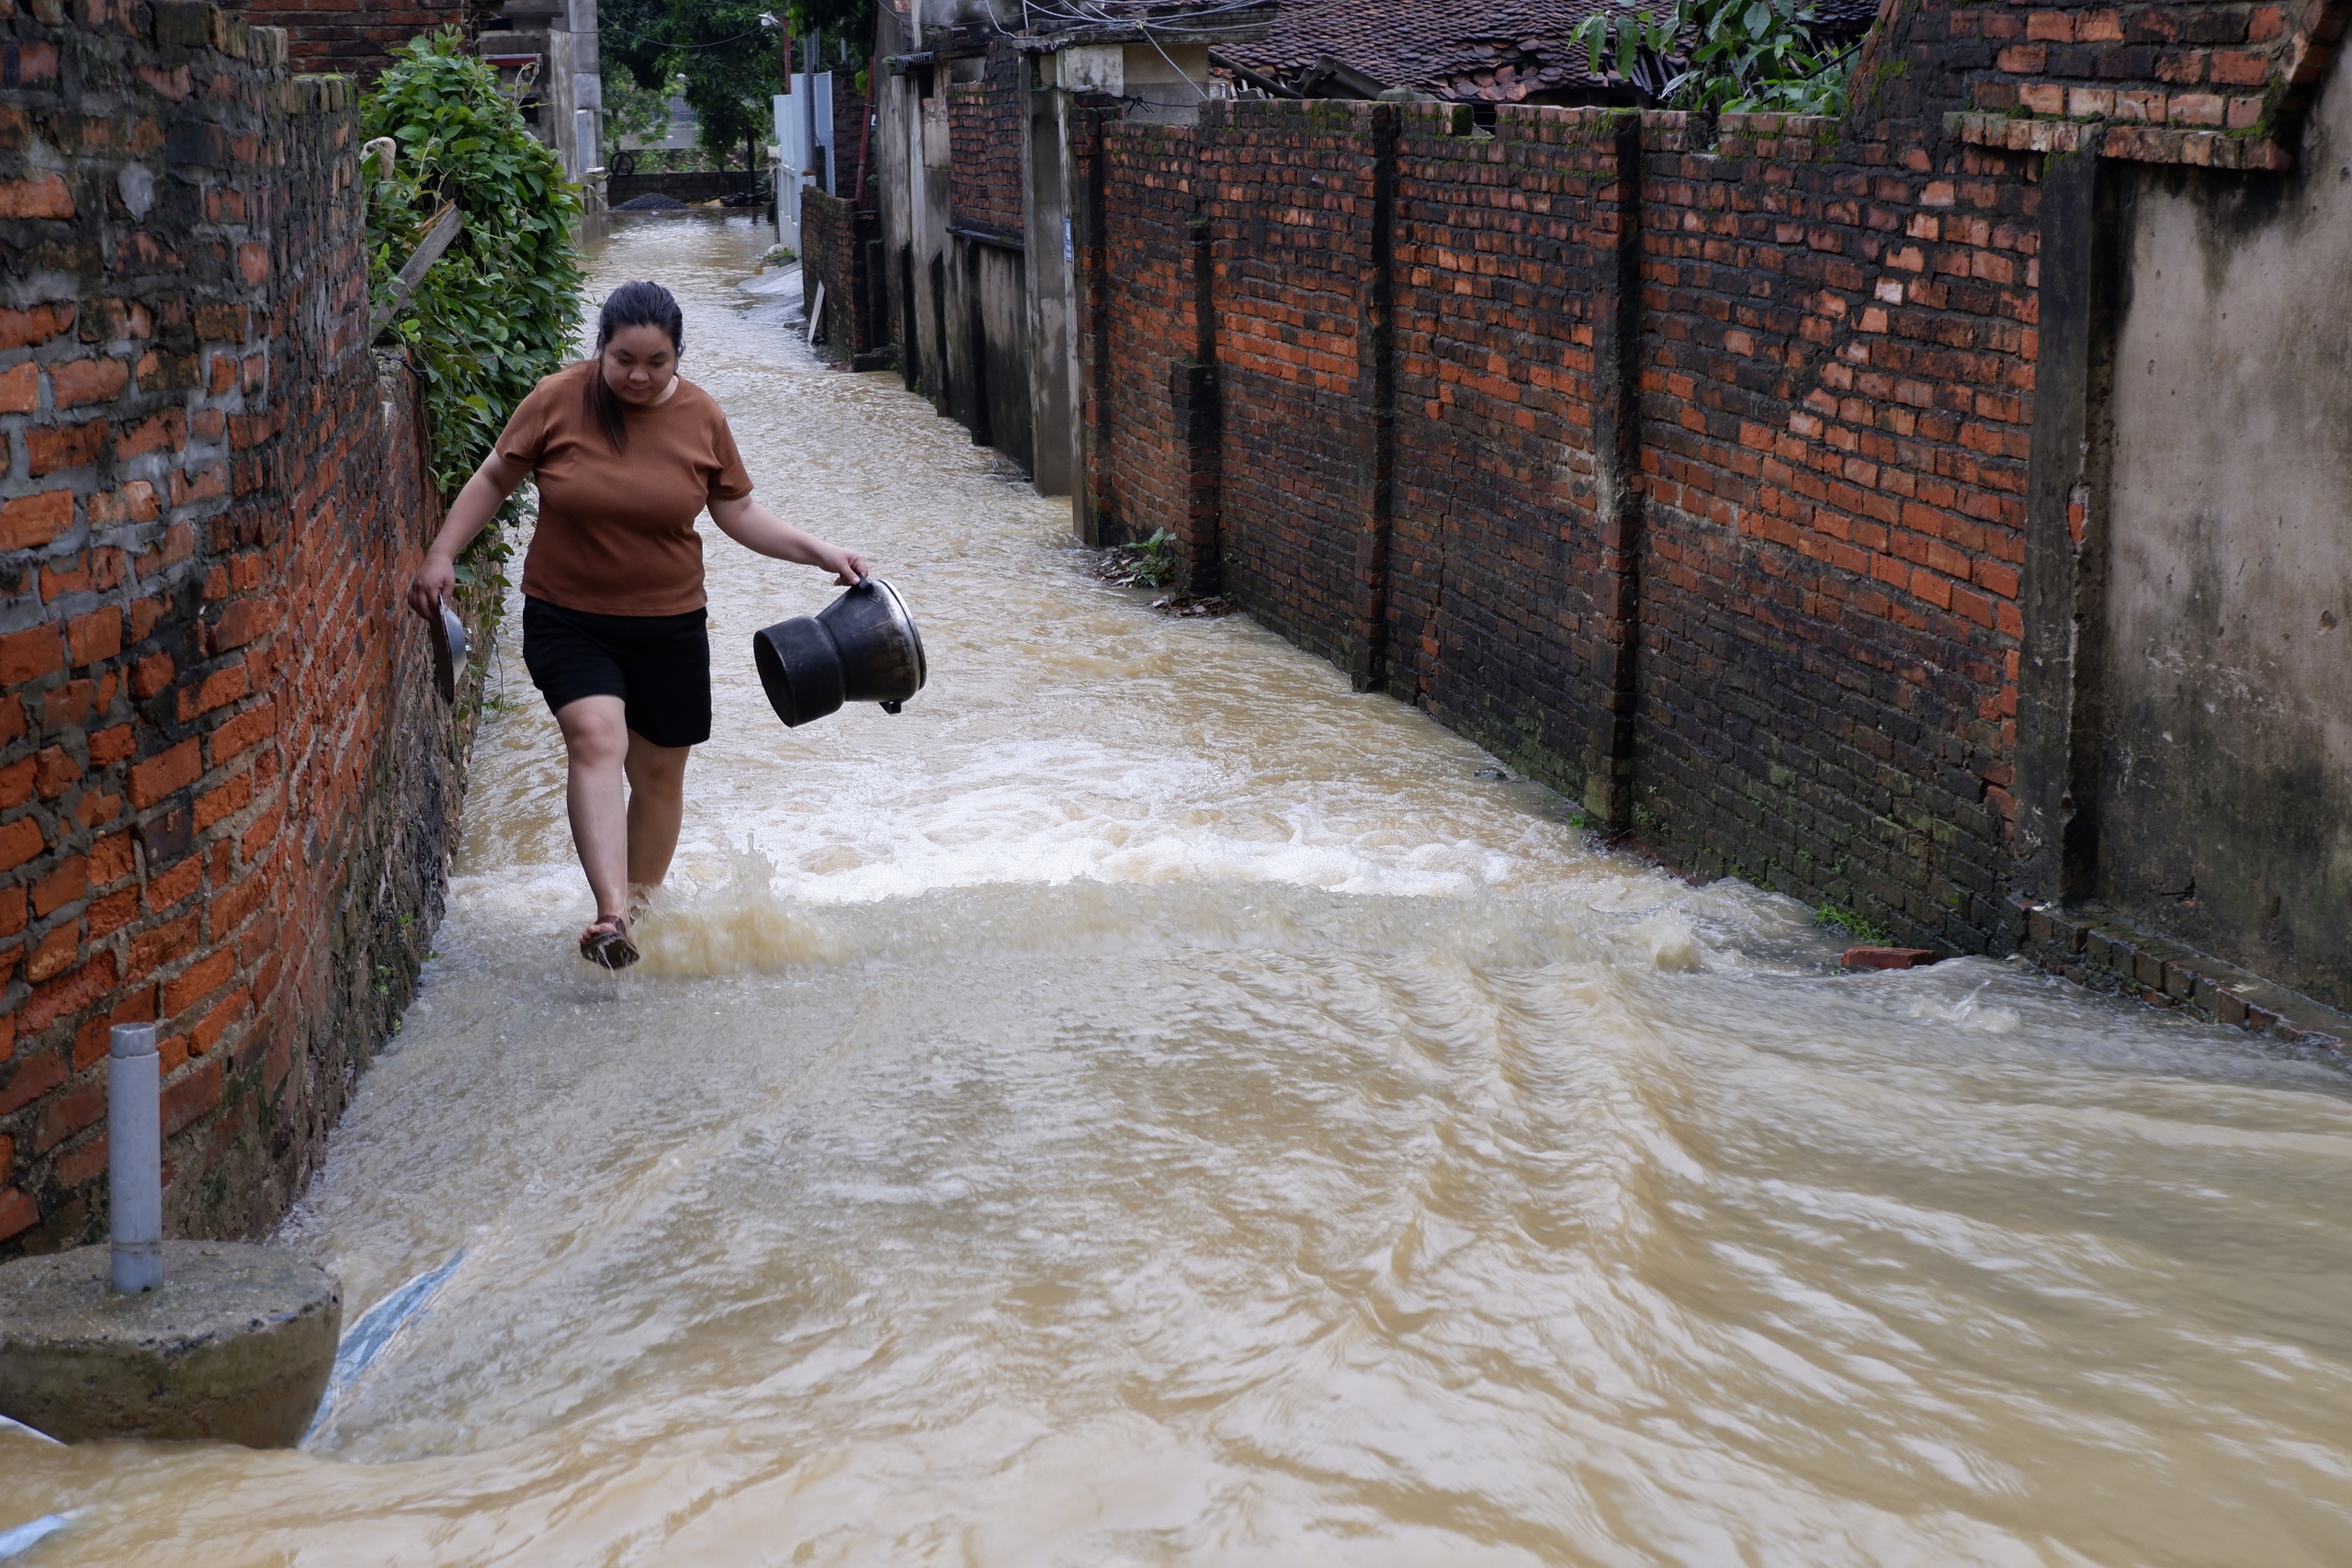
[1147,1105]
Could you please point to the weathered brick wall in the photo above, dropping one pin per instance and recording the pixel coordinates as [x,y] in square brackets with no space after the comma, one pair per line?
[1506,545]
[1155,352]
[2214,84]
[2211,83]
[833,248]
[852,134]
[682,185]
[356,38]
[983,145]
[1290,194]
[1698,493]
[226,791]
[1746,480]
[1836,384]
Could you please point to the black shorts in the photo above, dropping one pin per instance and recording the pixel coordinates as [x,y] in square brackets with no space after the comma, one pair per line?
[658,665]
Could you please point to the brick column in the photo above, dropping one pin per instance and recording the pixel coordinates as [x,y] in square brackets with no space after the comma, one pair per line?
[2057,742]
[1367,649]
[1094,488]
[1616,589]
[1193,402]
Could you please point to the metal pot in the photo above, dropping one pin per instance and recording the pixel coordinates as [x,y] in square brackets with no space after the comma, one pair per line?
[448,652]
[861,648]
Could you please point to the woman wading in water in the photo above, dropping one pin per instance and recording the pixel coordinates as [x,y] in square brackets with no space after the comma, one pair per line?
[628,453]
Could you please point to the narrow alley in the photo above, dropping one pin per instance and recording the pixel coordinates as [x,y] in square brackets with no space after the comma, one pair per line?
[1147,1105]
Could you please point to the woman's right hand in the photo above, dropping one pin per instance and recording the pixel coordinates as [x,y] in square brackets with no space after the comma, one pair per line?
[475,506]
[433,581]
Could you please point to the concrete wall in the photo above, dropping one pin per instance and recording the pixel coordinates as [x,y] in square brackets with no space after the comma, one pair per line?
[991,368]
[955,268]
[2223,814]
[227,790]
[892,191]
[913,161]
[566,109]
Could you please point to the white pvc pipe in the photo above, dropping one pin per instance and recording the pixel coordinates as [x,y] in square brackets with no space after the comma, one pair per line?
[135,1155]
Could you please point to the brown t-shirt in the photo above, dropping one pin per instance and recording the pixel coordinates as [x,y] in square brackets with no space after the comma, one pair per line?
[616,530]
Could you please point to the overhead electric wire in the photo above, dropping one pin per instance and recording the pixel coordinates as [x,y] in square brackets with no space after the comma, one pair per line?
[1099,13]
[1135,14]
[664,43]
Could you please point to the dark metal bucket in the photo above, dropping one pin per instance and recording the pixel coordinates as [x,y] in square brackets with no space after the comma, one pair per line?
[861,648]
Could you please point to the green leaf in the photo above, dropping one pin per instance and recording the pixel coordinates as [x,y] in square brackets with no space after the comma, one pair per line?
[498,310]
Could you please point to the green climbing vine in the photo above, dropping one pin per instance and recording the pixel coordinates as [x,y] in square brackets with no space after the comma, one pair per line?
[1720,56]
[500,308]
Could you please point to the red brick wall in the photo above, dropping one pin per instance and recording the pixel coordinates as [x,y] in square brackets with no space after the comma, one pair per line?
[984,121]
[2206,81]
[226,793]
[850,132]
[834,231]
[1289,193]
[350,36]
[1155,346]
[832,240]
[1698,496]
[1506,552]
[1836,379]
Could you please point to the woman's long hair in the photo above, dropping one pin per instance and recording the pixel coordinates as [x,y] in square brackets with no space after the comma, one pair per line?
[630,305]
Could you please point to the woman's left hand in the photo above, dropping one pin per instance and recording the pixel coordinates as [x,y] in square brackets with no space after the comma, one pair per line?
[755,527]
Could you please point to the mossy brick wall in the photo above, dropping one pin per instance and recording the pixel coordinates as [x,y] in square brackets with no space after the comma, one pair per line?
[1744,479]
[1509,555]
[2216,83]
[852,134]
[1837,376]
[226,789]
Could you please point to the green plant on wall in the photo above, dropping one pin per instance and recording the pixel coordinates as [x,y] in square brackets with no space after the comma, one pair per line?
[1154,561]
[1838,917]
[1720,56]
[500,308]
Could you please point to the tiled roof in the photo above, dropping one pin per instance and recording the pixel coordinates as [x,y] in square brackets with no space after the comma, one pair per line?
[1505,51]
[1500,50]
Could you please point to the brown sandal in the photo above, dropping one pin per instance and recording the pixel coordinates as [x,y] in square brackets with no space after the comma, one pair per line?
[607,944]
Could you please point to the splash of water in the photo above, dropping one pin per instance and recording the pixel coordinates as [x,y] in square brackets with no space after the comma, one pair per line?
[736,924]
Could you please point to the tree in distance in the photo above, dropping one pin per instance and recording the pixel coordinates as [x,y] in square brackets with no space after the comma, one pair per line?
[730,54]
